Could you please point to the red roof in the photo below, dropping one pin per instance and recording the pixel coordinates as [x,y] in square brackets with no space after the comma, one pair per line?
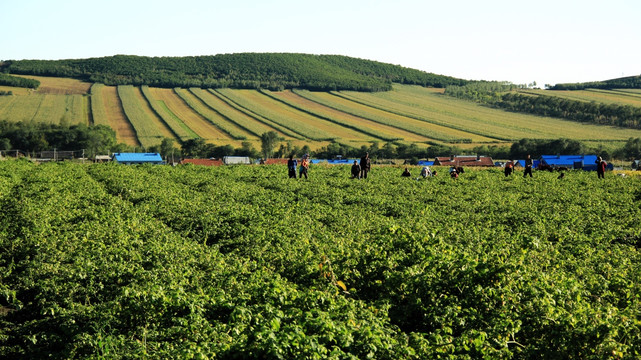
[464,161]
[203,162]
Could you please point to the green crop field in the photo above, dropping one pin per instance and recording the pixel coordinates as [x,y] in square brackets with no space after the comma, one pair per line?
[111,261]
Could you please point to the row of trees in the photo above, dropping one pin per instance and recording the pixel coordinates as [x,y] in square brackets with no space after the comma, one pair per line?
[274,71]
[629,82]
[34,137]
[501,95]
[8,80]
[100,139]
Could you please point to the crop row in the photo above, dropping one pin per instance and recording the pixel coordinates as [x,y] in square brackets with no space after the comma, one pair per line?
[176,125]
[149,129]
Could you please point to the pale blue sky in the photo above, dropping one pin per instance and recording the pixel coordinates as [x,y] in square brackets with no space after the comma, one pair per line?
[512,40]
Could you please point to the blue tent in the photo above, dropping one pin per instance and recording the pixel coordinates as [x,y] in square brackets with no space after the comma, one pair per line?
[426,163]
[137,158]
[521,163]
[584,162]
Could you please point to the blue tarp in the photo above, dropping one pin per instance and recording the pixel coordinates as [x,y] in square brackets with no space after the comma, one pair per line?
[535,163]
[585,162]
[426,163]
[138,158]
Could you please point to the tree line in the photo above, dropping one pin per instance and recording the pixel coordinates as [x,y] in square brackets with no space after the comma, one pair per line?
[273,71]
[34,137]
[501,95]
[99,139]
[629,82]
[8,80]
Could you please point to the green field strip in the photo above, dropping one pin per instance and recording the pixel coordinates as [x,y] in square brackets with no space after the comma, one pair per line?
[233,122]
[98,112]
[177,126]
[381,116]
[459,114]
[147,129]
[247,111]
[331,119]
[394,109]
[591,95]
[301,122]
[504,123]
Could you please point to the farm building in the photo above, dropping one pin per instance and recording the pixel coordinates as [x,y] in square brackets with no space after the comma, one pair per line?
[584,162]
[236,160]
[137,158]
[202,162]
[464,161]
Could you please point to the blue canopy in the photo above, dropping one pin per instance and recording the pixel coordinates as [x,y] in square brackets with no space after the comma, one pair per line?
[138,158]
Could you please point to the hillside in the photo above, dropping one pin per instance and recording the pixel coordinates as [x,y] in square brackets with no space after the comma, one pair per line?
[143,116]
[274,71]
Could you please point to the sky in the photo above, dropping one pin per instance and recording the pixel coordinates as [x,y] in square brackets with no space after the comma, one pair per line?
[543,41]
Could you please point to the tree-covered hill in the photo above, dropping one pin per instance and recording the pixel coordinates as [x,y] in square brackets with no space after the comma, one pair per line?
[629,82]
[244,70]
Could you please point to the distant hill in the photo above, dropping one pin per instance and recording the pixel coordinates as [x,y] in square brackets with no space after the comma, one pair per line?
[274,71]
[629,82]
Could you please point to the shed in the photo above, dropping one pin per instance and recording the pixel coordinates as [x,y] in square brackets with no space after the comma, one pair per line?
[464,161]
[137,158]
[236,160]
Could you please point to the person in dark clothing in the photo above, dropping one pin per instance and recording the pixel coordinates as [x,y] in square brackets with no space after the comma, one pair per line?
[509,167]
[356,170]
[406,173]
[365,166]
[528,166]
[600,167]
[291,166]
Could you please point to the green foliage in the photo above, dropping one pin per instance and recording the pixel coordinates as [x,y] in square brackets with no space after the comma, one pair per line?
[274,71]
[538,147]
[31,137]
[8,80]
[112,261]
[268,142]
[630,82]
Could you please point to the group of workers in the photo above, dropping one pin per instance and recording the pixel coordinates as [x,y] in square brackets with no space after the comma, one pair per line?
[360,170]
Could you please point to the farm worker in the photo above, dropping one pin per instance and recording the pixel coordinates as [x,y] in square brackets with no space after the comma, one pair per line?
[528,166]
[509,167]
[291,166]
[453,173]
[365,166]
[304,166]
[425,172]
[406,173]
[600,167]
[356,170]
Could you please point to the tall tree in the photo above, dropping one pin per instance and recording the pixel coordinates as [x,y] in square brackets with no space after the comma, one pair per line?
[268,142]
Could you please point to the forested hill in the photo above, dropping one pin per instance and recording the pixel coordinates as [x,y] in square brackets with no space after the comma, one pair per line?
[272,71]
[629,82]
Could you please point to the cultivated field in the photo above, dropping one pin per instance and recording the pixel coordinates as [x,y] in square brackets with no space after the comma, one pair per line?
[108,261]
[142,116]
[620,97]
[149,128]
